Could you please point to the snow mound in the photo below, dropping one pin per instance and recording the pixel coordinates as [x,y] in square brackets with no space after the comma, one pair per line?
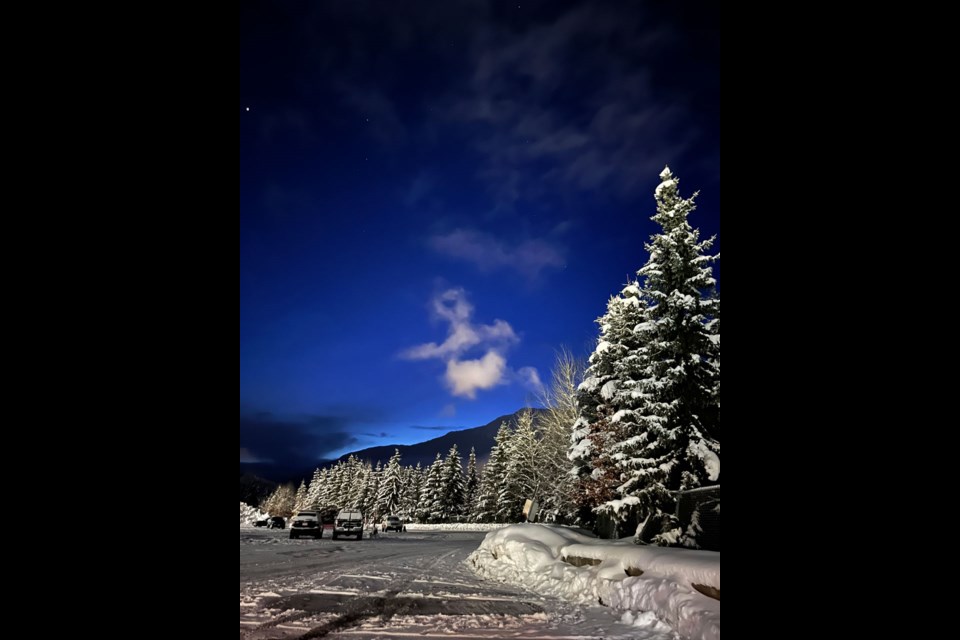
[563,563]
[249,515]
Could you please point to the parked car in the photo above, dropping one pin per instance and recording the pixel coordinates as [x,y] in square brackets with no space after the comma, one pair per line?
[276,522]
[306,523]
[393,523]
[348,523]
[261,523]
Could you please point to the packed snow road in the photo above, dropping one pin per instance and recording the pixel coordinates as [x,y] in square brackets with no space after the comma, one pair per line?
[412,584]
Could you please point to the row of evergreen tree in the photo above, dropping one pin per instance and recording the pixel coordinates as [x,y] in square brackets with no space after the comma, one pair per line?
[442,492]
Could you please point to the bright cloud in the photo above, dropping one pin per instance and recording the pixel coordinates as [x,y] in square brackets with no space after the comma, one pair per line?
[464,376]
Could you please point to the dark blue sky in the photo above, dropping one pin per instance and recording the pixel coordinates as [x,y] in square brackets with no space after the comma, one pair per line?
[435,196]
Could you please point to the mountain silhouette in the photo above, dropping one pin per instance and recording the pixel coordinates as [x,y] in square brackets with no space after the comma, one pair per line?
[481,438]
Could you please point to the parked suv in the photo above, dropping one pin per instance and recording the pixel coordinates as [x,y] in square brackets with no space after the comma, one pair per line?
[306,523]
[393,523]
[348,523]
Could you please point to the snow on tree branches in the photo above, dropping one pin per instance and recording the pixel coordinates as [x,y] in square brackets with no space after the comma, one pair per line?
[650,403]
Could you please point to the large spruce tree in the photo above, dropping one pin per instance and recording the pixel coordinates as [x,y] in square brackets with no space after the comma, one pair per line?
[650,400]
[673,436]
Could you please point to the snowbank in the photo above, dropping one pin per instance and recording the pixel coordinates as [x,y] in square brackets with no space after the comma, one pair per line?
[249,515]
[456,526]
[538,557]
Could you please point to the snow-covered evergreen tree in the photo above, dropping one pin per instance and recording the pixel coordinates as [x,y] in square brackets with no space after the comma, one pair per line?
[316,489]
[353,485]
[605,391]
[359,487]
[471,485]
[300,500]
[369,504]
[600,487]
[493,474]
[431,497]
[330,489]
[411,496]
[452,489]
[391,486]
[666,391]
[713,326]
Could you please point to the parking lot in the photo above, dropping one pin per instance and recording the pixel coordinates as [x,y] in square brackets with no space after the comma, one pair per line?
[396,585]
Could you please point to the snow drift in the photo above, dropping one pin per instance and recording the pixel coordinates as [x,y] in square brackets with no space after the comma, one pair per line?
[617,574]
[249,515]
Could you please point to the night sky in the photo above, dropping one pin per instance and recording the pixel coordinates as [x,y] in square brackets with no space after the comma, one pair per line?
[435,196]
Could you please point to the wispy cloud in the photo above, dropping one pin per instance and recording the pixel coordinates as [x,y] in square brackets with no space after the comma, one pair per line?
[419,188]
[530,378]
[449,410]
[452,306]
[538,138]
[487,253]
[250,458]
[465,376]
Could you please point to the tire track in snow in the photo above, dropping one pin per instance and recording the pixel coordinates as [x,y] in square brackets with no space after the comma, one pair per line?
[367,607]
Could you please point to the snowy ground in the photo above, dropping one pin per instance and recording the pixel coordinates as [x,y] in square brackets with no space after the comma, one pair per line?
[413,584]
